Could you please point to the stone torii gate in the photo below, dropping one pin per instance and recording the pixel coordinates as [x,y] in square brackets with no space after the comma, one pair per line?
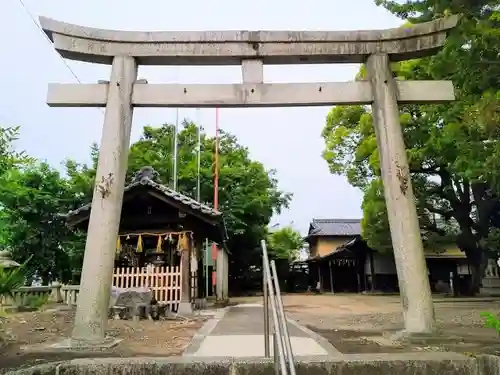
[125,50]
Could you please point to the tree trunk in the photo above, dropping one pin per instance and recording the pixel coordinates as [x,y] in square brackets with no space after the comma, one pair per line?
[477,262]
[475,283]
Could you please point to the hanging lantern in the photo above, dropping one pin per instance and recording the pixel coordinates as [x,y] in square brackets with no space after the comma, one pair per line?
[118,245]
[139,244]
[159,245]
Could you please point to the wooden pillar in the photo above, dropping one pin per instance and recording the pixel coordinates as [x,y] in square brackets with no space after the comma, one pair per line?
[320,278]
[372,271]
[358,277]
[185,307]
[331,276]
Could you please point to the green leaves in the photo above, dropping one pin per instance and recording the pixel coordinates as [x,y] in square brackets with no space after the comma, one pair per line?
[12,279]
[350,144]
[284,243]
[491,320]
[248,193]
[452,149]
[32,198]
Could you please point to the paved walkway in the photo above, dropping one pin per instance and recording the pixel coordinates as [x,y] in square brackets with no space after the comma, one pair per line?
[238,331]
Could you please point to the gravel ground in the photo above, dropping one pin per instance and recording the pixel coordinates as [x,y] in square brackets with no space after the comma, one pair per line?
[362,323]
[359,323]
[145,338]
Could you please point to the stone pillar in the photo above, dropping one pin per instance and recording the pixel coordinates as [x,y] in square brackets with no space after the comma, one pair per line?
[97,272]
[405,231]
[55,292]
[185,307]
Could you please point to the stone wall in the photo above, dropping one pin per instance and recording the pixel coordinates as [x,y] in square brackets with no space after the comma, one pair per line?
[362,364]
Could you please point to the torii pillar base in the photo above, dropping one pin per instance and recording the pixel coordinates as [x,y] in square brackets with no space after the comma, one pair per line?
[74,346]
[185,309]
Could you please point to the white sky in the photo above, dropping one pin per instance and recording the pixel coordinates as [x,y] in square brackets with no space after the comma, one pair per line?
[286,139]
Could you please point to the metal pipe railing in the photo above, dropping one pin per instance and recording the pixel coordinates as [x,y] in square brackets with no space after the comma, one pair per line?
[279,359]
[281,311]
[283,355]
[267,353]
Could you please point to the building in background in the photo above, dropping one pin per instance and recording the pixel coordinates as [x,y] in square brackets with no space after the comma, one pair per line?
[342,261]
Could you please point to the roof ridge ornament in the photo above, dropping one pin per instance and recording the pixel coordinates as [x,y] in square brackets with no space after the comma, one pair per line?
[146,174]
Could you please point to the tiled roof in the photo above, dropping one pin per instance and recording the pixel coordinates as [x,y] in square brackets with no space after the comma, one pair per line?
[181,198]
[335,227]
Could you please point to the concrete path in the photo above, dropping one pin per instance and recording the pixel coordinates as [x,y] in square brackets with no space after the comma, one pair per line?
[238,331]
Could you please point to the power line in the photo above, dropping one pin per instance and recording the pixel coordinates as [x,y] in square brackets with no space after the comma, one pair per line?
[37,25]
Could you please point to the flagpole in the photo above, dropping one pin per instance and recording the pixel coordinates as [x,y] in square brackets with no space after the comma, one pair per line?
[176,141]
[176,130]
[216,192]
[198,178]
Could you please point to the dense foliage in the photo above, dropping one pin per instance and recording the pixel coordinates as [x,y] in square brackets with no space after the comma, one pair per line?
[248,193]
[453,148]
[285,243]
[34,196]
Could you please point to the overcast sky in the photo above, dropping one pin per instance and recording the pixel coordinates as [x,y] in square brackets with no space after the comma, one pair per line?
[286,139]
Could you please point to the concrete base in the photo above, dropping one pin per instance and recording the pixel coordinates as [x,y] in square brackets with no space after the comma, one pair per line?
[384,341]
[426,339]
[364,364]
[405,336]
[490,286]
[185,309]
[74,345]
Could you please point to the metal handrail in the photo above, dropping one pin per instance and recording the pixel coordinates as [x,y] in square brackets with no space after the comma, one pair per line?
[283,355]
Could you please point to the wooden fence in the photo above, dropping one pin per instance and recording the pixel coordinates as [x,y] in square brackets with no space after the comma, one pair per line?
[164,282]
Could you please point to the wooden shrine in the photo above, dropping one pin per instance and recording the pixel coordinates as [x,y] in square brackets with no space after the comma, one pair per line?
[160,240]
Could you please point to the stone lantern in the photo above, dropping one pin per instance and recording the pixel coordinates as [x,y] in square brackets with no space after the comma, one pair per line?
[6,261]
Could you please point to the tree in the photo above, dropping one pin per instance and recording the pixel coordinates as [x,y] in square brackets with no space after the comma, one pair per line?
[34,198]
[284,243]
[452,149]
[10,161]
[248,193]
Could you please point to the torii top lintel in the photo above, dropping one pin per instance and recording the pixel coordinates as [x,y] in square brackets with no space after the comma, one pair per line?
[231,47]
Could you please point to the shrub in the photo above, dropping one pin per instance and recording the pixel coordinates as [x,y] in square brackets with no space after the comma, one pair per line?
[36,302]
[10,280]
[491,321]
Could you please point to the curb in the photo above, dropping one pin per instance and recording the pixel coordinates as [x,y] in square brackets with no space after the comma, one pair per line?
[324,343]
[203,332]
